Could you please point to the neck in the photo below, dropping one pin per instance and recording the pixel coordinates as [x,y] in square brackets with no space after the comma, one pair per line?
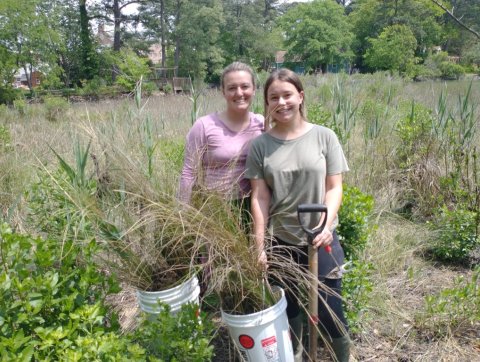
[236,117]
[290,130]
[235,121]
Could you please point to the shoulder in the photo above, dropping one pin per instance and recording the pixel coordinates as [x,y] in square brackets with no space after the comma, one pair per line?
[324,133]
[257,122]
[257,118]
[261,141]
[207,120]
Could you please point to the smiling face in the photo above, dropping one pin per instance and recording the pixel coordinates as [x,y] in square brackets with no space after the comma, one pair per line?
[284,102]
[238,90]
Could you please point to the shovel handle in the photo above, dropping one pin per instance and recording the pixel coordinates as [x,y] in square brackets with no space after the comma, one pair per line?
[310,208]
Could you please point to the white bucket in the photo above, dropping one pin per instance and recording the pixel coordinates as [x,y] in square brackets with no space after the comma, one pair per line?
[175,297]
[262,336]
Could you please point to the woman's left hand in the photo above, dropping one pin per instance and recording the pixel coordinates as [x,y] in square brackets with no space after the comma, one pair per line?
[323,239]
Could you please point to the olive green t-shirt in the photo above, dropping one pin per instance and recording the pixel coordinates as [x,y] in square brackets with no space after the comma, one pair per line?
[295,171]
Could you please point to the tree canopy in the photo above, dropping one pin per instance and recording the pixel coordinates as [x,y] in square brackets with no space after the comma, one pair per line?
[199,37]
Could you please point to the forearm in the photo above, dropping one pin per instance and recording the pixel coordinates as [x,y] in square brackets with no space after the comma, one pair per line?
[333,198]
[260,221]
[260,204]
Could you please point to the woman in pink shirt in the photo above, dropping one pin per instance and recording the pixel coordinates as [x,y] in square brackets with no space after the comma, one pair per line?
[217,144]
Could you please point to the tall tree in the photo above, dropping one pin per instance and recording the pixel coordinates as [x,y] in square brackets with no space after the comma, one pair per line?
[88,60]
[317,33]
[155,16]
[371,17]
[249,33]
[196,32]
[393,50]
[25,32]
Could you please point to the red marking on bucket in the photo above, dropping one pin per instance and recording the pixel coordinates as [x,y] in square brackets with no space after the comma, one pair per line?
[314,319]
[246,342]
[269,341]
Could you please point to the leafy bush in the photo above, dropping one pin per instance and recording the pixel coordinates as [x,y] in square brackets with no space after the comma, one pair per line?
[357,285]
[456,234]
[20,105]
[182,337]
[52,303]
[451,70]
[354,215]
[453,306]
[8,94]
[353,232]
[131,67]
[55,108]
[438,65]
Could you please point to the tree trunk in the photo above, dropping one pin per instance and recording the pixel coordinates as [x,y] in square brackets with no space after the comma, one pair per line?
[86,53]
[162,31]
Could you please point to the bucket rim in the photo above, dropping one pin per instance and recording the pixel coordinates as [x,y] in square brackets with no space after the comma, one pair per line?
[258,318]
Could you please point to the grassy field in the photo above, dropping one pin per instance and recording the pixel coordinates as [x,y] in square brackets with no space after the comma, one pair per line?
[412,146]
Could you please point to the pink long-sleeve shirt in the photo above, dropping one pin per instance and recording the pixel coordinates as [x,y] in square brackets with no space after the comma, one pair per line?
[215,157]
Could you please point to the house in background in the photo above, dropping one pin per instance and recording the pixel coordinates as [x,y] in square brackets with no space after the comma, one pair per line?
[21,80]
[297,65]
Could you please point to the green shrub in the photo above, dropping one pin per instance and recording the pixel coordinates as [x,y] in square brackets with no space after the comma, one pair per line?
[356,286]
[8,94]
[182,337]
[453,307]
[20,106]
[55,108]
[451,70]
[354,227]
[456,234]
[52,303]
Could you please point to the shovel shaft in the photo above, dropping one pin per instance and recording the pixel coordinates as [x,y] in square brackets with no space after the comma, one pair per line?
[313,302]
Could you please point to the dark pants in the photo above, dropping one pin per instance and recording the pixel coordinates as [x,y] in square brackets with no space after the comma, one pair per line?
[334,325]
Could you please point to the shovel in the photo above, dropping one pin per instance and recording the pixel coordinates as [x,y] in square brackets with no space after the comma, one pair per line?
[313,269]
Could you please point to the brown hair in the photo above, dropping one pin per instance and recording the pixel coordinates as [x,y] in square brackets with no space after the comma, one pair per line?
[236,67]
[284,75]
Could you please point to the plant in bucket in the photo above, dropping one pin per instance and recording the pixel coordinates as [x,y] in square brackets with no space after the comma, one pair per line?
[155,252]
[147,235]
[253,309]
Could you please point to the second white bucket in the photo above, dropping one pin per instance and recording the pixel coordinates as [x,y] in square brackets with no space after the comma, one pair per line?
[262,336]
[175,297]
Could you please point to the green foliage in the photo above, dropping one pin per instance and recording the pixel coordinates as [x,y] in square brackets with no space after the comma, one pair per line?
[456,234]
[393,50]
[51,210]
[55,108]
[439,65]
[451,70]
[453,306]
[132,68]
[318,33]
[171,151]
[184,337]
[354,215]
[415,132]
[52,303]
[357,284]
[8,95]
[5,140]
[20,106]
[317,114]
